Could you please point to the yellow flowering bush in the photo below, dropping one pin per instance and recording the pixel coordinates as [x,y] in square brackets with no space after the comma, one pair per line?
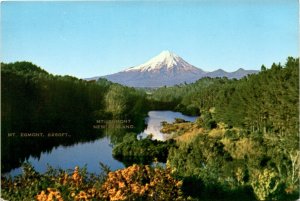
[53,194]
[141,183]
[74,185]
[132,183]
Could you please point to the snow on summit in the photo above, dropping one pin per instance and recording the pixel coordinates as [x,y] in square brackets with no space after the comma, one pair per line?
[166,59]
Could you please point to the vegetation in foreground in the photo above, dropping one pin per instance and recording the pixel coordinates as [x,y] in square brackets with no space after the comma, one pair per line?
[227,162]
[136,182]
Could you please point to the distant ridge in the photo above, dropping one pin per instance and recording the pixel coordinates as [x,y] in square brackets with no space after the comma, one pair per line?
[167,69]
[238,74]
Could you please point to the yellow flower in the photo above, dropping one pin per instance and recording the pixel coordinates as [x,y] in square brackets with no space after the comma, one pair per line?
[179,184]
[42,196]
[122,185]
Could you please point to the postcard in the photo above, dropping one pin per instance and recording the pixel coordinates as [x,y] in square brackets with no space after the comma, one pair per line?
[150,100]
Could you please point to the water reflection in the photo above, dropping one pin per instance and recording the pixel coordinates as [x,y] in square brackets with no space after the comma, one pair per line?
[85,147]
[89,146]
[154,120]
[67,157]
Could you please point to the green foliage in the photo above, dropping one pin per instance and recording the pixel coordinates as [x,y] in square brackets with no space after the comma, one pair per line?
[262,124]
[121,101]
[34,101]
[23,68]
[66,185]
[264,102]
[265,184]
[202,158]
[208,121]
[233,165]
[144,151]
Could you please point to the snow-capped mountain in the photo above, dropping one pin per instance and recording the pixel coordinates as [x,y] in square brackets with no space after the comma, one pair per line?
[165,61]
[166,69]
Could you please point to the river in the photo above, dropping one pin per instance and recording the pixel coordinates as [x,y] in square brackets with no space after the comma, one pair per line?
[154,119]
[99,150]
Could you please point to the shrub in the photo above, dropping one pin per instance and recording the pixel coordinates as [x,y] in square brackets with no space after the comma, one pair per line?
[141,183]
[265,184]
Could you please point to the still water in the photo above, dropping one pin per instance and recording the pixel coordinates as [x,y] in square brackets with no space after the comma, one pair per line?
[67,157]
[100,150]
[154,119]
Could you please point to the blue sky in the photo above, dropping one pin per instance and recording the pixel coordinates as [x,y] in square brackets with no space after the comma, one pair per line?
[87,39]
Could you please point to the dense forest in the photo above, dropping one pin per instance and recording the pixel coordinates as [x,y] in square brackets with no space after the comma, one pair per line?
[248,139]
[243,146]
[34,101]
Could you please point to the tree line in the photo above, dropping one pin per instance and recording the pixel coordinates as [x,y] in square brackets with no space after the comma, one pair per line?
[250,141]
[33,100]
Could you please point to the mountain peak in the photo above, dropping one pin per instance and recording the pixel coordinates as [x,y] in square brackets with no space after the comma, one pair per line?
[166,57]
[167,53]
[240,69]
[220,70]
[166,60]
